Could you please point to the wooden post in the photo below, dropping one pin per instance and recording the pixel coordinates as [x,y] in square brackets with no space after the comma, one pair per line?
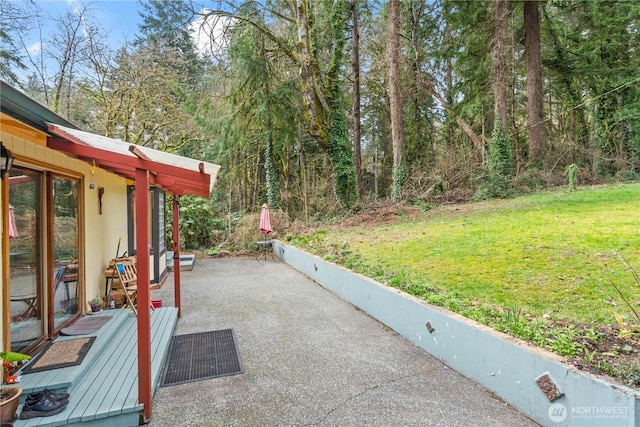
[144,297]
[176,252]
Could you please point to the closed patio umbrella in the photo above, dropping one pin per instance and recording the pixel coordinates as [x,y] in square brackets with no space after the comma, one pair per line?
[265,227]
[265,222]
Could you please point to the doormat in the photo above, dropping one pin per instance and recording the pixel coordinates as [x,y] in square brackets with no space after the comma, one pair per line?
[199,356]
[60,354]
[85,325]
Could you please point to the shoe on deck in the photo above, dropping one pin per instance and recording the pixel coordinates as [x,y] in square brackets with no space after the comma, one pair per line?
[44,407]
[33,398]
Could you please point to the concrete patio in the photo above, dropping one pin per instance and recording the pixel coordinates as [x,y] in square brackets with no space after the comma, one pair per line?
[310,358]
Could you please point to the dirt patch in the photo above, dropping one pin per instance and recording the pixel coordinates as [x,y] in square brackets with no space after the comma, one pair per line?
[613,352]
[381,214]
[385,213]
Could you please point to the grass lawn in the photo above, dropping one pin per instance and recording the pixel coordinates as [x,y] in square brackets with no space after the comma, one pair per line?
[540,267]
[553,253]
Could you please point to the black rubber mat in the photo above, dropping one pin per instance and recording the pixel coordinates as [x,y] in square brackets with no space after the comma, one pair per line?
[200,356]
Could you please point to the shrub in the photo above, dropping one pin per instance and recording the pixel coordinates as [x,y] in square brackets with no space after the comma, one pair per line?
[493,187]
[197,223]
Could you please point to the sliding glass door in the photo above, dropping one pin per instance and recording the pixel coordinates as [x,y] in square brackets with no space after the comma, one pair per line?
[44,246]
[27,315]
[65,245]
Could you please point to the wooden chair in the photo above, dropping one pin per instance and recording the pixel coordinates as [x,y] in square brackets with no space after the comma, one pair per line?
[127,274]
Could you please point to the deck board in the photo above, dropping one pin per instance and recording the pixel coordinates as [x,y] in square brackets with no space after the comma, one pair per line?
[106,382]
[106,392]
[63,379]
[161,322]
[123,366]
[83,394]
[161,345]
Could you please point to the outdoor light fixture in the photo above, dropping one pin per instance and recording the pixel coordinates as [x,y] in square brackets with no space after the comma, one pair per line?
[92,170]
[6,160]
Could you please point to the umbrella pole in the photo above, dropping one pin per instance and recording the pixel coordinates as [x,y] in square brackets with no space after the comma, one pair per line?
[264,247]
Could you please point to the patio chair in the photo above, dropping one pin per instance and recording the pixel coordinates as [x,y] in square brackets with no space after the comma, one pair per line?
[67,274]
[128,277]
[31,301]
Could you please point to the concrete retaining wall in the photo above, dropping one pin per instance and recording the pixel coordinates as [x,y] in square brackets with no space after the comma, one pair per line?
[513,370]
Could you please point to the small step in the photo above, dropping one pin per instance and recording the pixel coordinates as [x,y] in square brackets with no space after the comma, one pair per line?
[186,261]
[66,379]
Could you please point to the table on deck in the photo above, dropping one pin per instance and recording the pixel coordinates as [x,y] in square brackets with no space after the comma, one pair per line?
[14,256]
[30,300]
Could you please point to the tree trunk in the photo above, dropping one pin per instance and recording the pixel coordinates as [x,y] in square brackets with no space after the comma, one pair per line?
[417,134]
[535,100]
[311,94]
[357,156]
[466,127]
[395,101]
[500,62]
[323,110]
[271,175]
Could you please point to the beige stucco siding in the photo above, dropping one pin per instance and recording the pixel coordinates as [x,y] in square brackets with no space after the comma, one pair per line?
[103,231]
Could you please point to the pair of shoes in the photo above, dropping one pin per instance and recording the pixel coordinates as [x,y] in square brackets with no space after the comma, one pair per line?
[44,404]
[34,397]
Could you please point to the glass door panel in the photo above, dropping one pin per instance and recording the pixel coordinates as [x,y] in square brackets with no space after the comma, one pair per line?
[26,292]
[64,241]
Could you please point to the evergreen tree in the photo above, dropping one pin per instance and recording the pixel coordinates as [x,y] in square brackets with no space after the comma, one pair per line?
[11,22]
[395,100]
[165,26]
[535,97]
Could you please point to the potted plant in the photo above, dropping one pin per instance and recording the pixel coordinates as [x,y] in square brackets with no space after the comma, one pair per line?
[95,304]
[9,400]
[10,362]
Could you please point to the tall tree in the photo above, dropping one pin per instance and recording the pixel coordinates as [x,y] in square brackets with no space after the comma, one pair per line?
[535,97]
[165,25]
[499,148]
[319,53]
[376,150]
[67,46]
[148,111]
[465,58]
[56,63]
[419,23]
[500,67]
[395,101]
[355,66]
[601,107]
[12,22]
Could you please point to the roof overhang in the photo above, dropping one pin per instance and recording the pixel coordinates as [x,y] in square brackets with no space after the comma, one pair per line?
[176,174]
[16,104]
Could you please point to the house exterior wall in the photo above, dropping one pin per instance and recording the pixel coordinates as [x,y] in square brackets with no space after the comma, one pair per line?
[103,230]
[99,237]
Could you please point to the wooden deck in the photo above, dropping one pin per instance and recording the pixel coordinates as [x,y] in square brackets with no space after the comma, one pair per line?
[104,388]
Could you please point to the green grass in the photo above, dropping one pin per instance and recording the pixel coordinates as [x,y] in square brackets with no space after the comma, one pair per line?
[553,253]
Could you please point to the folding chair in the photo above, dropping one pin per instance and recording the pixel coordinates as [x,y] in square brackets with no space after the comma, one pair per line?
[127,274]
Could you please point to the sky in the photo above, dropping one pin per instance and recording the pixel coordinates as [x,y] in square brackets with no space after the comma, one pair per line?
[119,18]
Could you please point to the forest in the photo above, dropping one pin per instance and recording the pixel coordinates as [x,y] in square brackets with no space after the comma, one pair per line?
[320,107]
